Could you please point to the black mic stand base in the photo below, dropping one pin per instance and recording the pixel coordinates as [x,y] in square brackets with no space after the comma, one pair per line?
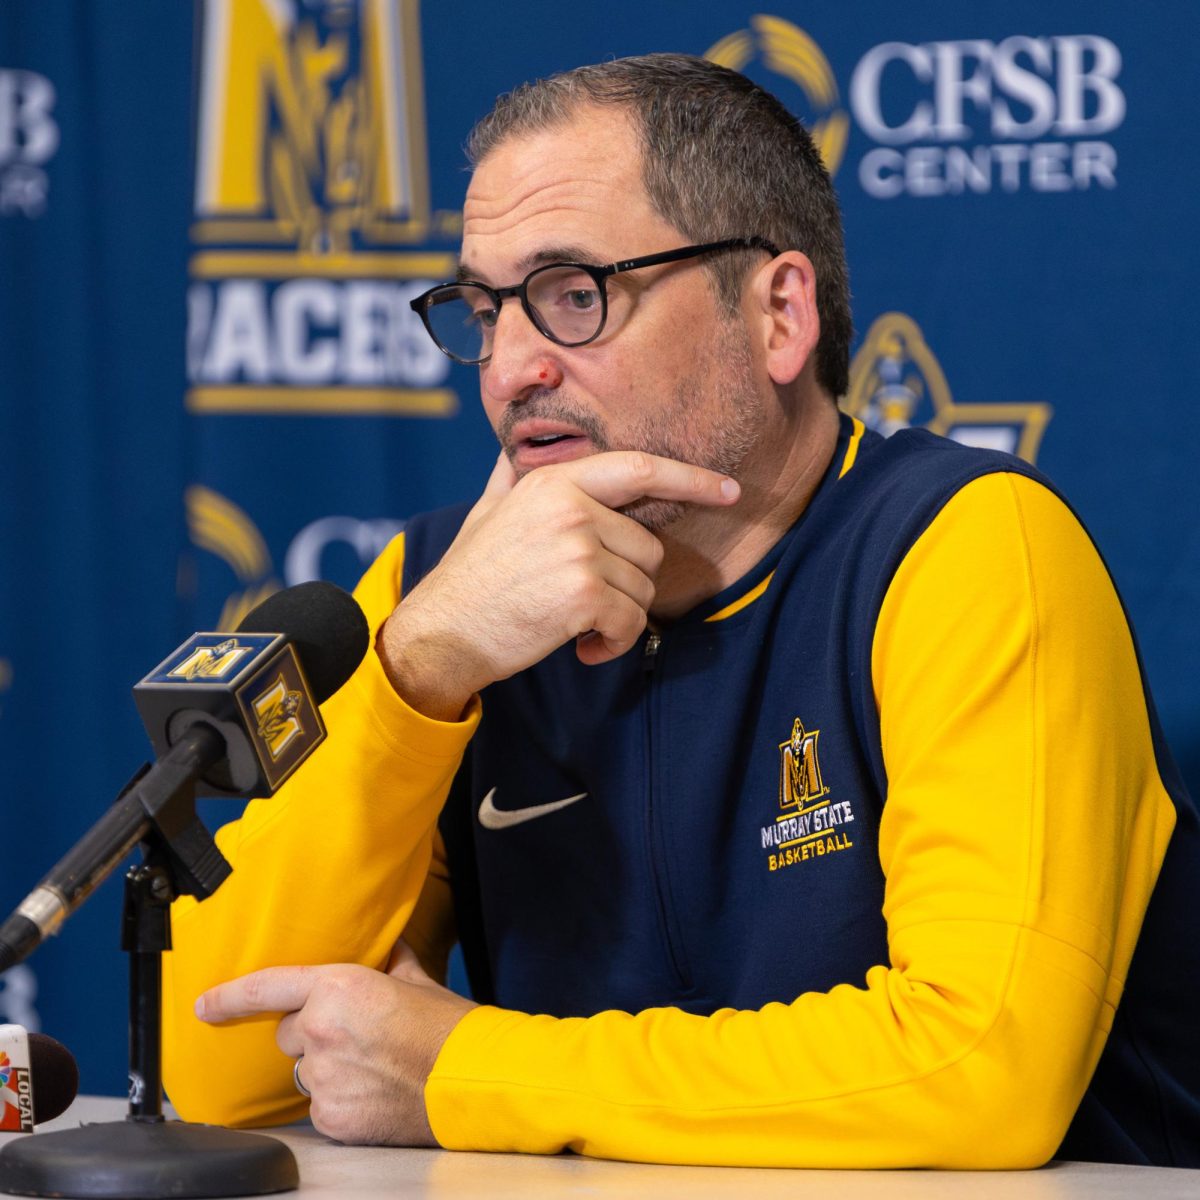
[145,1157]
[143,1160]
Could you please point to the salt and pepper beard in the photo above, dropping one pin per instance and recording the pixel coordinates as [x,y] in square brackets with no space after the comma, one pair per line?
[717,436]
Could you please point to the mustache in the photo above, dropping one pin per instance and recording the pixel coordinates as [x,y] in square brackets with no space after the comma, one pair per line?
[550,406]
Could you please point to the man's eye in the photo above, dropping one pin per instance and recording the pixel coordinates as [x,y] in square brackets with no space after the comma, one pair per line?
[484,316]
[580,299]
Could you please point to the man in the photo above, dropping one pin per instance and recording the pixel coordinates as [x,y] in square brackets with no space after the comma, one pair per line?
[794,793]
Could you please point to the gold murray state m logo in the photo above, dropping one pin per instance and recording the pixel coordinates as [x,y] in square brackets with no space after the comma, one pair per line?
[278,712]
[800,780]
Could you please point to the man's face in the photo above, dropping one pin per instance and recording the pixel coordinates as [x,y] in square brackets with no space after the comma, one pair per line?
[669,374]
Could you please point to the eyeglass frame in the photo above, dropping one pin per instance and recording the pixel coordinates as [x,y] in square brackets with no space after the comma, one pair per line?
[423,302]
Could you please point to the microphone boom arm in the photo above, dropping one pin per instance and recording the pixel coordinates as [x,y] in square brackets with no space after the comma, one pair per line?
[159,799]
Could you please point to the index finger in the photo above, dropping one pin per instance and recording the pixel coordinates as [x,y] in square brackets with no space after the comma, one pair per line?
[271,990]
[619,477]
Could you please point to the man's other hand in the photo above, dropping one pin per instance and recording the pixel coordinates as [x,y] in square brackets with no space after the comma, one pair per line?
[536,564]
[368,1040]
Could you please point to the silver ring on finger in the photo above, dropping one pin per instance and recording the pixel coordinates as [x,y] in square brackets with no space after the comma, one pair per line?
[297,1080]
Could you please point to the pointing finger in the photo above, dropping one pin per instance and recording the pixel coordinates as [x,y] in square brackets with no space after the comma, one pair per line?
[271,990]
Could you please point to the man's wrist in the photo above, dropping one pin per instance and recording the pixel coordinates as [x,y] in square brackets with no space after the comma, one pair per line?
[423,669]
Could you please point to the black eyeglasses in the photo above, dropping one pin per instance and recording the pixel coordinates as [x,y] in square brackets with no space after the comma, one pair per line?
[567,302]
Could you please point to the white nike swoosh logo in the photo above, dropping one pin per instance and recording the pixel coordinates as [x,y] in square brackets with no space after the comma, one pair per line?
[491,817]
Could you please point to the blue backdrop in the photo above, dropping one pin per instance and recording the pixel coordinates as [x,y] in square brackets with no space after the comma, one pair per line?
[212,217]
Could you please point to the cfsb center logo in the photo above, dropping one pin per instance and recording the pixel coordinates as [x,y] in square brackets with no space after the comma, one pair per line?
[311,196]
[955,116]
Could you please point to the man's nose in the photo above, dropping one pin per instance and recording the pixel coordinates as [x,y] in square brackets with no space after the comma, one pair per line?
[523,360]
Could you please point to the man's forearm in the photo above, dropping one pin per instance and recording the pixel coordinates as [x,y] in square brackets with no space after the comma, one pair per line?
[329,870]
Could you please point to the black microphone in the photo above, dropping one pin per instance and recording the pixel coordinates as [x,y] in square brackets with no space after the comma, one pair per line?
[38,1079]
[234,715]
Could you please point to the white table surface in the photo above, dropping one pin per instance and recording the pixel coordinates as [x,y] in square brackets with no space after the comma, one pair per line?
[366,1173]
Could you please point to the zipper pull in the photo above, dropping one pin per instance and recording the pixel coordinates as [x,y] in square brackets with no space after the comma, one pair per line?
[650,652]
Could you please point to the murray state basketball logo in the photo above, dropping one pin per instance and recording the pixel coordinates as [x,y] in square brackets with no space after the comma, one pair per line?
[311,176]
[812,823]
[896,382]
[787,51]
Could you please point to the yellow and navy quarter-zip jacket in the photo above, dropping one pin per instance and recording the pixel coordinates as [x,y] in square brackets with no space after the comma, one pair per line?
[844,868]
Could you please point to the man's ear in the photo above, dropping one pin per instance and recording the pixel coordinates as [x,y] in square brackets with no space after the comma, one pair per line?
[783,296]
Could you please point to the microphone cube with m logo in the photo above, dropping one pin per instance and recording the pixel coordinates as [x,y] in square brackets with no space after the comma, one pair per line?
[251,688]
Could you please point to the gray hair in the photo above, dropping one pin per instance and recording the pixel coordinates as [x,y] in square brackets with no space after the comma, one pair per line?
[721,158]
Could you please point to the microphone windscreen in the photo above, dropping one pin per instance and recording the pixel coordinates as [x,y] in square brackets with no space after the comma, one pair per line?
[325,625]
[55,1077]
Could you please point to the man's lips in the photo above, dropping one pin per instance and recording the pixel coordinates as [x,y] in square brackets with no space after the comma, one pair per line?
[536,443]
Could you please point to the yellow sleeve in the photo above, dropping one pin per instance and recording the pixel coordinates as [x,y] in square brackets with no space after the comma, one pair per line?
[327,870]
[1024,827]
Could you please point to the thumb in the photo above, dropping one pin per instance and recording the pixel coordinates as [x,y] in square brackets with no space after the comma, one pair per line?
[404,964]
[501,481]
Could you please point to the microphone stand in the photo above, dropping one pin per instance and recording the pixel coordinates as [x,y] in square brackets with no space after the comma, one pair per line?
[146,1157]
